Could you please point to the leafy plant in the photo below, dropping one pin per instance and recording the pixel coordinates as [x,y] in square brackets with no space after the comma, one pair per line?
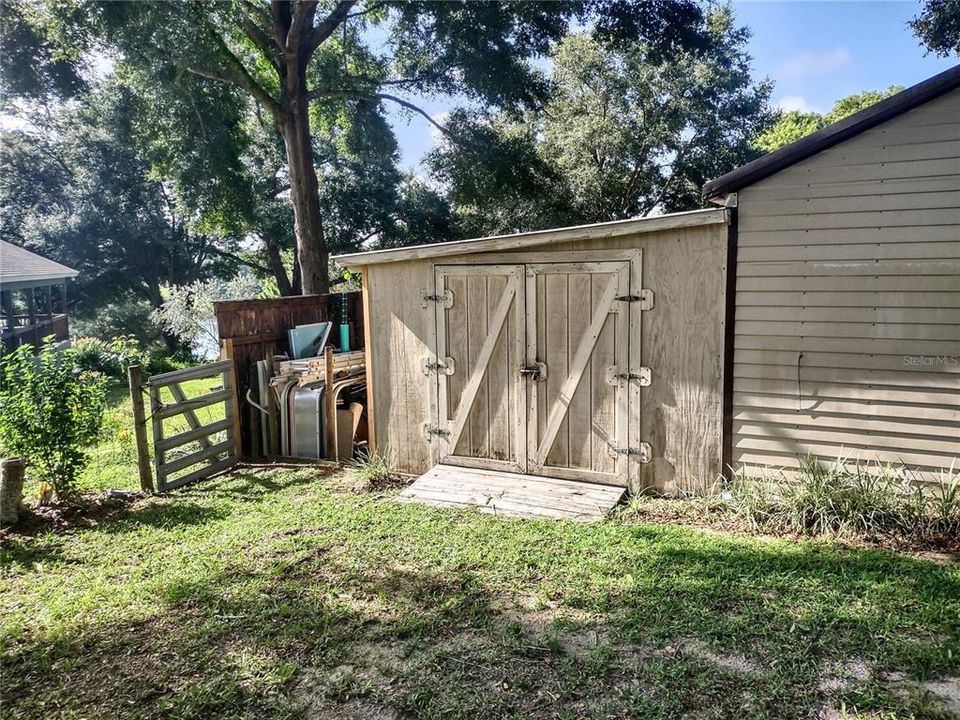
[187,311]
[109,357]
[51,411]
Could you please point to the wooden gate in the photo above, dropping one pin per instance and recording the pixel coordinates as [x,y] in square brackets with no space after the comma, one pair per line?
[538,366]
[194,435]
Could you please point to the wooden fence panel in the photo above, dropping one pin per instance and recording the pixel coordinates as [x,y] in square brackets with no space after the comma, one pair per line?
[257,330]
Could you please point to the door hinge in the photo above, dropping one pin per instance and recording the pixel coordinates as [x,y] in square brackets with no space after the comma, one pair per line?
[443,366]
[645,298]
[642,376]
[642,453]
[430,430]
[445,298]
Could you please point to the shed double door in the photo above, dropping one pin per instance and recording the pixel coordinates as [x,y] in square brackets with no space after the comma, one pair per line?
[527,358]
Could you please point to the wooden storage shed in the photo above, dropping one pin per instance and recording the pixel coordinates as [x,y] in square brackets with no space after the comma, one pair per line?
[588,353]
[847,312]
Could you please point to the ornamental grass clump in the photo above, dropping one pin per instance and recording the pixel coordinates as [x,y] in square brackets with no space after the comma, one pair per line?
[846,498]
[375,472]
[51,411]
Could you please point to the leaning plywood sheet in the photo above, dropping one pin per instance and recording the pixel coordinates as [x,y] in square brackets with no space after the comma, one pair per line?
[512,494]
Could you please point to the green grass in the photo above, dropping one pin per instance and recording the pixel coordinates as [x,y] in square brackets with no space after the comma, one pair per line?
[286,594]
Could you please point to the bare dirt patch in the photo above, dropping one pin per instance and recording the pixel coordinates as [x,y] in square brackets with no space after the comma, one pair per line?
[85,510]
[840,676]
[733,662]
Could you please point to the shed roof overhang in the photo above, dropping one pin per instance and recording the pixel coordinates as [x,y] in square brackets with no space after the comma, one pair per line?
[517,241]
[833,134]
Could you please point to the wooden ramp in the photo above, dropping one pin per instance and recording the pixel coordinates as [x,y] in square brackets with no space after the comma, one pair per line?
[512,494]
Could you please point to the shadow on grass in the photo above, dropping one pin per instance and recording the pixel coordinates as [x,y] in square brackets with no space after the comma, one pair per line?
[166,515]
[256,482]
[28,554]
[291,624]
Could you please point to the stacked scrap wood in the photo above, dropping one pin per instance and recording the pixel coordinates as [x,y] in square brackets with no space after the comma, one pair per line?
[313,370]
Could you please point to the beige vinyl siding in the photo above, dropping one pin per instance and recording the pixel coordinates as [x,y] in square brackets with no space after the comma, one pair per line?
[847,336]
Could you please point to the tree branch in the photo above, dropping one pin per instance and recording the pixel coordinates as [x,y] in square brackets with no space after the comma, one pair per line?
[356,94]
[242,260]
[260,12]
[303,13]
[410,106]
[258,37]
[372,8]
[328,26]
[243,78]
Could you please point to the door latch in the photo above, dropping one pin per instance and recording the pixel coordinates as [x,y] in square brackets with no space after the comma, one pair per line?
[616,377]
[644,297]
[430,430]
[536,372]
[642,453]
[442,366]
[444,299]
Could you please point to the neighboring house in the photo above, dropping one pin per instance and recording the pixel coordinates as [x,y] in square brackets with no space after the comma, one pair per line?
[33,297]
[847,289]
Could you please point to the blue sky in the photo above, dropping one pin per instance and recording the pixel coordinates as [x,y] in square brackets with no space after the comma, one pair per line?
[815,52]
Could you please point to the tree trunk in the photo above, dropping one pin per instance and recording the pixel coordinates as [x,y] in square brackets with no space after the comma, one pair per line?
[297,275]
[304,193]
[275,261]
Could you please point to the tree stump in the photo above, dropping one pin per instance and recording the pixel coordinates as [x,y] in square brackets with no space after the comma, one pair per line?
[11,489]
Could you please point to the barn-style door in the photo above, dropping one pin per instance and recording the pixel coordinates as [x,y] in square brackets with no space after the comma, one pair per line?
[535,367]
[480,346]
[577,331]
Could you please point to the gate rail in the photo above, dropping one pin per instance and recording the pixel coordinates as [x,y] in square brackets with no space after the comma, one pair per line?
[212,457]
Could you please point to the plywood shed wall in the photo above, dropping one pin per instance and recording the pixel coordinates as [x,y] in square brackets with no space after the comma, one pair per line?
[848,300]
[683,263]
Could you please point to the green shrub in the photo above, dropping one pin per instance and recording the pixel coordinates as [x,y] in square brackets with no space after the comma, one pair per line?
[51,410]
[108,357]
[113,357]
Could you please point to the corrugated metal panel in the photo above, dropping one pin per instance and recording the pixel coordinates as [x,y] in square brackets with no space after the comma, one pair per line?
[848,301]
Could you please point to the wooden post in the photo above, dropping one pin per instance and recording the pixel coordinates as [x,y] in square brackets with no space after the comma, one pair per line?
[233,405]
[11,489]
[331,404]
[157,425]
[31,295]
[6,297]
[368,361]
[269,402]
[48,302]
[255,416]
[135,381]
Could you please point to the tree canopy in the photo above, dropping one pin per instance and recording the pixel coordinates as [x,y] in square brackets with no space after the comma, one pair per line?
[625,131]
[297,63]
[938,27]
[793,125]
[77,188]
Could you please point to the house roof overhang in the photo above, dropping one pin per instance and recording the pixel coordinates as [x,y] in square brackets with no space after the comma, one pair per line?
[930,89]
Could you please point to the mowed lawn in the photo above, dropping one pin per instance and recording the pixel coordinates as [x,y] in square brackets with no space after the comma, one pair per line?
[286,593]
